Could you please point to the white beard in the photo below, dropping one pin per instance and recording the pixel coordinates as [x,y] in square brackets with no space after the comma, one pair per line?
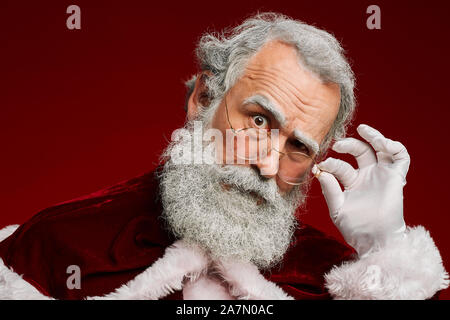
[233,222]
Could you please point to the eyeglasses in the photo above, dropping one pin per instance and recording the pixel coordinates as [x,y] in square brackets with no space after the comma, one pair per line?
[254,144]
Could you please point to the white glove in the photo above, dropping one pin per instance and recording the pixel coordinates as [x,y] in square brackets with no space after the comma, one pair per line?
[369,212]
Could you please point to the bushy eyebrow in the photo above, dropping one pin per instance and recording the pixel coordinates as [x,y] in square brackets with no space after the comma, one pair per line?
[269,106]
[276,112]
[309,142]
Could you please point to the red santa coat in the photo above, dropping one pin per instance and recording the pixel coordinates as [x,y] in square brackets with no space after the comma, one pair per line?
[117,233]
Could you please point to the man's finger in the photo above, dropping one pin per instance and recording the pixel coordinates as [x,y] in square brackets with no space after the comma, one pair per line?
[360,150]
[343,171]
[331,190]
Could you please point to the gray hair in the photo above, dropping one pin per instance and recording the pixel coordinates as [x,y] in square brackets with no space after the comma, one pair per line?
[226,55]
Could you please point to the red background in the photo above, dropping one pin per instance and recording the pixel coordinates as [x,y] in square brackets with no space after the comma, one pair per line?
[83,109]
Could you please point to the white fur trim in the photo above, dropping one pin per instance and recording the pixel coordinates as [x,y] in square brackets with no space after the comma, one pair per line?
[7,231]
[246,282]
[409,268]
[206,288]
[166,275]
[12,286]
[180,262]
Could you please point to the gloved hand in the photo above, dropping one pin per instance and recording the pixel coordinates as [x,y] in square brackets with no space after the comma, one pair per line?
[369,212]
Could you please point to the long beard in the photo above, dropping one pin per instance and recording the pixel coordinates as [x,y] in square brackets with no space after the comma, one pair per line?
[247,220]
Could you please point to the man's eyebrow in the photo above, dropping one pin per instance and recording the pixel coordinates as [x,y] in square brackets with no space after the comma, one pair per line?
[310,143]
[269,106]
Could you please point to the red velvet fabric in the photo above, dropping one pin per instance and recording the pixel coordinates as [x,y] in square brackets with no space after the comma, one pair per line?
[116,233]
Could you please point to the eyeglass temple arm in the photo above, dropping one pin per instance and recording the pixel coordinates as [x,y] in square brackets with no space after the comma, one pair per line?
[228,117]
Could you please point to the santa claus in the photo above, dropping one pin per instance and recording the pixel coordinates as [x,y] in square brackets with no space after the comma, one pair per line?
[216,220]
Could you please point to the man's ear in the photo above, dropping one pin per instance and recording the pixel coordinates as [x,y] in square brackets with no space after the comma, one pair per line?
[199,97]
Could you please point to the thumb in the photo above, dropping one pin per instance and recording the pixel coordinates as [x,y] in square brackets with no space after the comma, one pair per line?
[331,190]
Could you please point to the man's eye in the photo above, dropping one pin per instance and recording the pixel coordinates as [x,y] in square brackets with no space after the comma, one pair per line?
[260,121]
[299,146]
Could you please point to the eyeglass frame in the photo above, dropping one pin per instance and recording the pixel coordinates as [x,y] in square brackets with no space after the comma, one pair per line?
[235,131]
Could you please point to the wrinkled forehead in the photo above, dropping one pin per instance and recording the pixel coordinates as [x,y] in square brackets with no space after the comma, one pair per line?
[276,72]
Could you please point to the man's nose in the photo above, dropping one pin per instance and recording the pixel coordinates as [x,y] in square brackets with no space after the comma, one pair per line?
[268,166]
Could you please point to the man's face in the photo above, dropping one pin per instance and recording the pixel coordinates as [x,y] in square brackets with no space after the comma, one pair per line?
[302,107]
[233,210]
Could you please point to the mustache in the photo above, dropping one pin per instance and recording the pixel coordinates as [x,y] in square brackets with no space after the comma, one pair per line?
[247,180]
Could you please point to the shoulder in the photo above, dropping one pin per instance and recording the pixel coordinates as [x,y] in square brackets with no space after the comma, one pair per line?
[110,235]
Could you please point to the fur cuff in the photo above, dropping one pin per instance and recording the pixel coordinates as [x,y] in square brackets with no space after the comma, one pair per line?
[410,268]
[166,275]
[246,282]
[12,286]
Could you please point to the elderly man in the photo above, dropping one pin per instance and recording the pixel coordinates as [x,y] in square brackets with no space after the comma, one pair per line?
[216,220]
